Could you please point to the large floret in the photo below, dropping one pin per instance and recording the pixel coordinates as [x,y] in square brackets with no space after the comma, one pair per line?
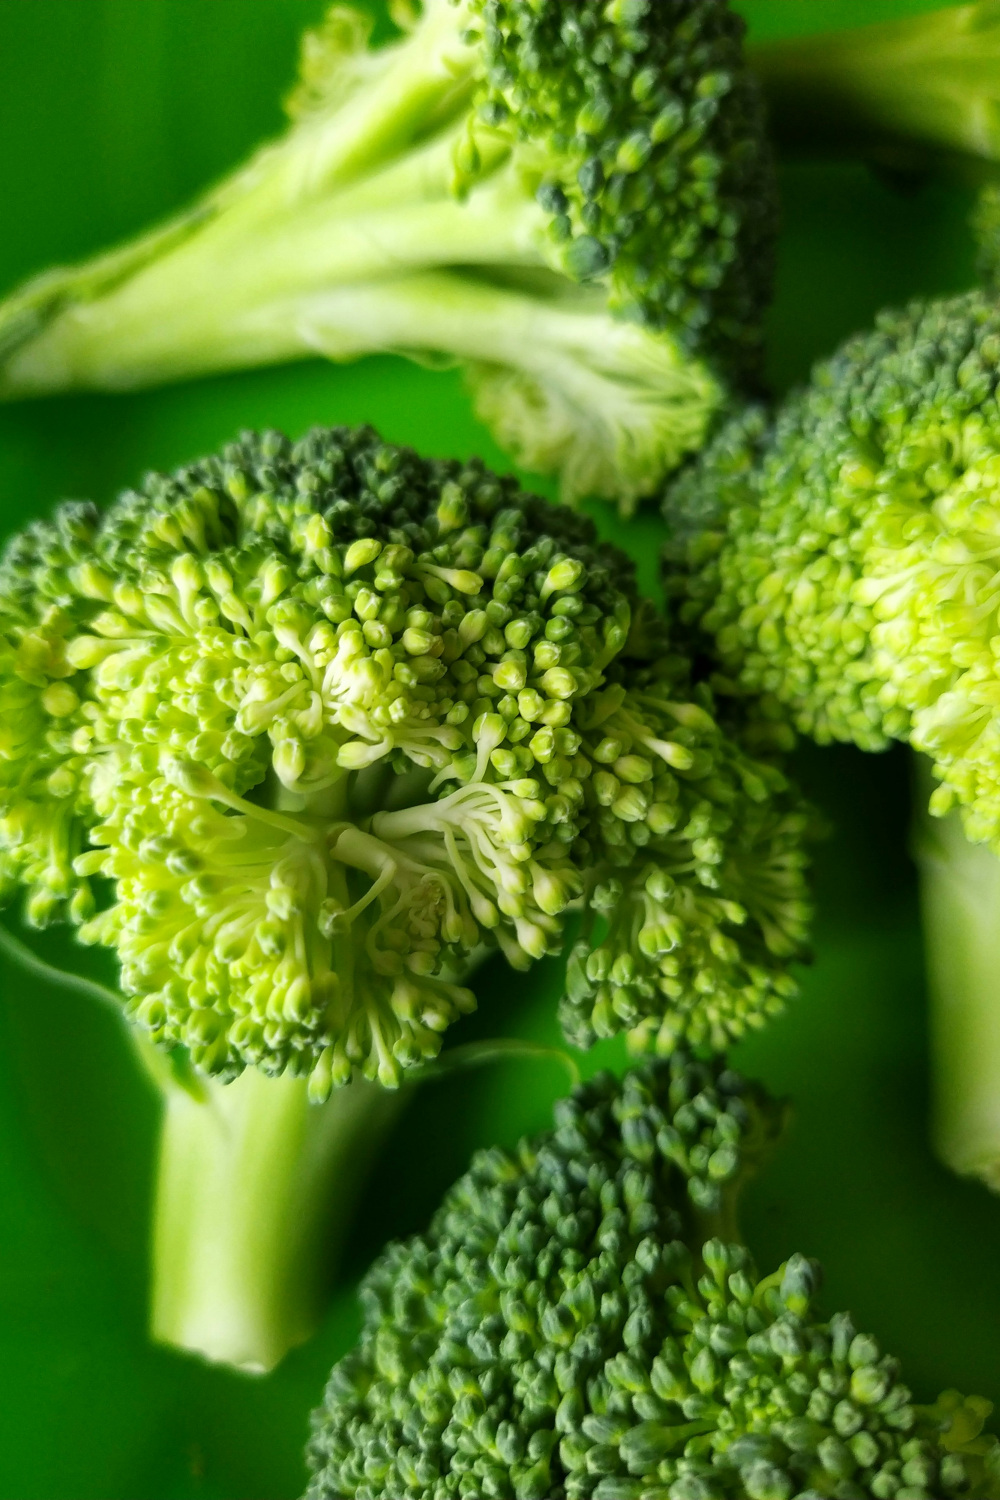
[574,202]
[331,718]
[267,652]
[571,1327]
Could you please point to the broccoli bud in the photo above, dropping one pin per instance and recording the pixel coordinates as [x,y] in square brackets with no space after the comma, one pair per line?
[578,1323]
[300,731]
[575,204]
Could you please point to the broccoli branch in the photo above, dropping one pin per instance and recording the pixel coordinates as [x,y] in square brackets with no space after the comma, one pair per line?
[511,143]
[903,91]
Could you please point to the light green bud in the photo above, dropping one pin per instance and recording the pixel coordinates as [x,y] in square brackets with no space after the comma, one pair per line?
[360,553]
[565,575]
[559,683]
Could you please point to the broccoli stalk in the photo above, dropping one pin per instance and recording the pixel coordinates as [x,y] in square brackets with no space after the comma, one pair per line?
[298,733]
[905,92]
[960,897]
[580,1320]
[579,209]
[254,1191]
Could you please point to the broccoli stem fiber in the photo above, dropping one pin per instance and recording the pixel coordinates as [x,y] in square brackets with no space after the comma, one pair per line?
[255,1187]
[960,900]
[904,91]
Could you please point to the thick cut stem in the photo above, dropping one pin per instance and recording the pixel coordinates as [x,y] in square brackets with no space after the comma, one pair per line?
[960,898]
[255,1187]
[900,89]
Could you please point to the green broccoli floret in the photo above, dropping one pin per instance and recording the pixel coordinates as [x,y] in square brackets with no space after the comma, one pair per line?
[574,202]
[580,1323]
[298,733]
[843,560]
[909,93]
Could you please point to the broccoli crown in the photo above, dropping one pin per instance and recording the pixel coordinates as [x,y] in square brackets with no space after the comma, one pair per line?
[331,717]
[844,557]
[646,133]
[565,1329]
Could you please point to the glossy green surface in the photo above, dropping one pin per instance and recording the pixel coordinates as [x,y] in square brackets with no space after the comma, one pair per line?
[111,113]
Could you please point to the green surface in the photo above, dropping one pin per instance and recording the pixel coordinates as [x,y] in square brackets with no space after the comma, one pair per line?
[112,112]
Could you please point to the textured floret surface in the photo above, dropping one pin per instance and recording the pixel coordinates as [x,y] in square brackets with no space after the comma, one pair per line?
[566,1331]
[300,728]
[845,557]
[646,133]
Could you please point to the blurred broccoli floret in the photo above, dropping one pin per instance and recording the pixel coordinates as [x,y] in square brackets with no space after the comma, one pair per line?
[576,203]
[840,560]
[579,1324]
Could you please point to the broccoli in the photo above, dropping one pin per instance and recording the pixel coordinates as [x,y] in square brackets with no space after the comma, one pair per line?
[298,733]
[574,202]
[911,93]
[842,559]
[581,1321]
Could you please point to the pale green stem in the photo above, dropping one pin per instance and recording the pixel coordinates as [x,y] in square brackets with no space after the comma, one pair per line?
[928,83]
[227,299]
[960,900]
[360,185]
[255,1186]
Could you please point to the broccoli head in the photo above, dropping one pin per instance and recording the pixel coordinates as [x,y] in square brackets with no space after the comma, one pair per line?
[580,1322]
[576,203]
[331,717]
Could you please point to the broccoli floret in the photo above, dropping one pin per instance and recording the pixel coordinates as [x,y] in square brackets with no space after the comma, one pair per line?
[909,93]
[842,559]
[300,731]
[580,1321]
[576,203]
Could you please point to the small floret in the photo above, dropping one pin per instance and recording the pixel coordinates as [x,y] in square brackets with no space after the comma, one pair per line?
[576,203]
[572,1327]
[843,557]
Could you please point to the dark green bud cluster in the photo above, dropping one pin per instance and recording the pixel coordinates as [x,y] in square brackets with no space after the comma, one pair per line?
[844,558]
[572,1327]
[646,134]
[330,718]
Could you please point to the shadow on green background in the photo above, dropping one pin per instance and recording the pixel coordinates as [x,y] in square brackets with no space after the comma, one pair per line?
[112,113]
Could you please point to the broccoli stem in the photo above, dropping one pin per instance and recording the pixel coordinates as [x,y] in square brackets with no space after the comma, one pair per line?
[226,298]
[899,90]
[362,187]
[960,901]
[255,1185]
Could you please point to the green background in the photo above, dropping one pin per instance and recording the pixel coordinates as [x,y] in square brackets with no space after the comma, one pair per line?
[113,112]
